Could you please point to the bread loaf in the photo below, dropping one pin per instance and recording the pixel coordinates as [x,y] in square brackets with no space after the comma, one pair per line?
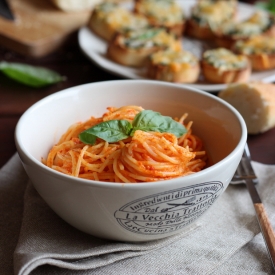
[256,103]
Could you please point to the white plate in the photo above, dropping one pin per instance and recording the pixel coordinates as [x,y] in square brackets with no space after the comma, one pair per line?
[95,49]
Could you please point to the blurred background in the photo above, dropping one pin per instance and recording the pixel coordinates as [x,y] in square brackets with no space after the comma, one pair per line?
[69,61]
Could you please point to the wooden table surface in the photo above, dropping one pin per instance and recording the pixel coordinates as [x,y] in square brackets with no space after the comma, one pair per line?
[71,62]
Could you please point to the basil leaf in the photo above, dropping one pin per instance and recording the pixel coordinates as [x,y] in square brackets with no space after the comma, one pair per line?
[111,131]
[87,138]
[269,5]
[262,5]
[148,120]
[29,75]
[148,34]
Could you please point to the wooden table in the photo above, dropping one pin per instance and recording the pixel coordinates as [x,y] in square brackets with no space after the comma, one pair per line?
[71,62]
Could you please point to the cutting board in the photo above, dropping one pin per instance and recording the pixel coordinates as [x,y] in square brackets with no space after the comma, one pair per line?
[39,28]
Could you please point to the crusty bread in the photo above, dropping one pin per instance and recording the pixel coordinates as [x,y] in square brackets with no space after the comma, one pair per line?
[207,14]
[225,41]
[124,50]
[109,18]
[223,66]
[229,33]
[196,30]
[256,103]
[214,75]
[260,50]
[262,62]
[173,66]
[75,5]
[126,56]
[163,14]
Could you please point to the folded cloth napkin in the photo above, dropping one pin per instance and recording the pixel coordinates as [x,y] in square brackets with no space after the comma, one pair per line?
[226,240]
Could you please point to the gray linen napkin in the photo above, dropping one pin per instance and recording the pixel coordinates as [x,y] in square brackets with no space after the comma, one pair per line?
[13,181]
[227,242]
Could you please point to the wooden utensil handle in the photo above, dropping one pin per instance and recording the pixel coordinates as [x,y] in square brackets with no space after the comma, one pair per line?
[267,230]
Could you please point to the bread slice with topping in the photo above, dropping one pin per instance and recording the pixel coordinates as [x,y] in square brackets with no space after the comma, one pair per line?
[227,34]
[260,50]
[162,13]
[109,18]
[134,47]
[223,66]
[208,14]
[256,103]
[174,66]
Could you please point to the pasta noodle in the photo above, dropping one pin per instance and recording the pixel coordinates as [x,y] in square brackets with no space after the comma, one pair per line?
[144,157]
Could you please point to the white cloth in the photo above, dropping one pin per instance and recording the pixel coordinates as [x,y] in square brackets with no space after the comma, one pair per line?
[226,240]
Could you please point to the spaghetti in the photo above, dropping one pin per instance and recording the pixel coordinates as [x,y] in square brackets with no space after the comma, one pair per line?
[144,157]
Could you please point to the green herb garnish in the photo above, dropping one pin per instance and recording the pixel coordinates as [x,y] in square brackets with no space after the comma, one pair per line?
[29,75]
[146,120]
[268,5]
[148,34]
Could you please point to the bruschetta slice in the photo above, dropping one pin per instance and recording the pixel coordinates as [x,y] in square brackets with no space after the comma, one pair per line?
[109,18]
[223,66]
[260,50]
[174,66]
[134,47]
[162,13]
[208,14]
[259,23]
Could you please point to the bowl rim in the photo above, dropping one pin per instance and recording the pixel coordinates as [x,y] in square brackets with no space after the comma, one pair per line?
[38,164]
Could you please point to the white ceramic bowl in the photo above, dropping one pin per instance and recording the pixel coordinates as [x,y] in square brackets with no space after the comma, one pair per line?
[131,212]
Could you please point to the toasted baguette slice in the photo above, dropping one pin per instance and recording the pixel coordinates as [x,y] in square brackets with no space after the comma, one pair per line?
[76,5]
[173,66]
[162,13]
[133,48]
[223,66]
[256,103]
[194,29]
[207,14]
[265,20]
[260,50]
[109,18]
[227,34]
